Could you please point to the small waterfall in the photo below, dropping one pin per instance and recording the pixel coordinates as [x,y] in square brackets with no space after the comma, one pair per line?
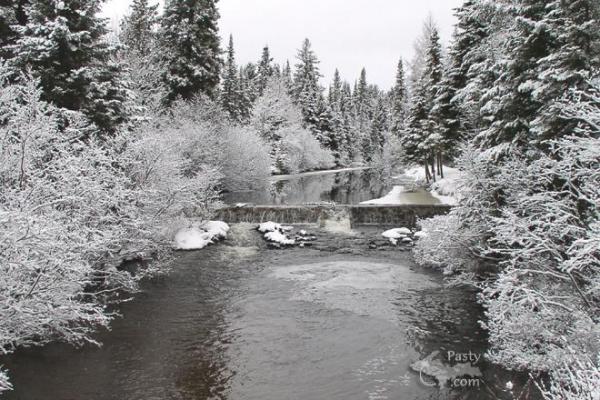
[334,216]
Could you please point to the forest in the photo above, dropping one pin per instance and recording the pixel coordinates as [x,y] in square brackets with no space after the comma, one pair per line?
[112,140]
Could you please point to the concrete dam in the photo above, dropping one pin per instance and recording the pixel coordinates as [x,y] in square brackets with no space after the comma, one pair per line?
[347,215]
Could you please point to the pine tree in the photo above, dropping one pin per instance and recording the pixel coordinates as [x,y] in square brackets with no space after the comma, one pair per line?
[265,70]
[63,45]
[138,28]
[190,46]
[399,100]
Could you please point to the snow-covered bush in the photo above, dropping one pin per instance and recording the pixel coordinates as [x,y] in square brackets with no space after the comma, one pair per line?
[542,308]
[237,153]
[72,207]
[300,151]
[279,122]
[445,245]
[246,163]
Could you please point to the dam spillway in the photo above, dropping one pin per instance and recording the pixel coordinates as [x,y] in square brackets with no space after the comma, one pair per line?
[406,215]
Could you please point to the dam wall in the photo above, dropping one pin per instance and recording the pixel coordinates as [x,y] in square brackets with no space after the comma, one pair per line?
[354,215]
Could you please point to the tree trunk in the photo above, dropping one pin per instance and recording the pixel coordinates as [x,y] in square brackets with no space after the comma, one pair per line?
[427,175]
[441,164]
[433,166]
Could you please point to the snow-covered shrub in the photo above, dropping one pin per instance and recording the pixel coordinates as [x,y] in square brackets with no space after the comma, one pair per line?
[237,153]
[71,207]
[275,110]
[445,245]
[279,122]
[543,309]
[579,380]
[537,215]
[246,163]
[300,151]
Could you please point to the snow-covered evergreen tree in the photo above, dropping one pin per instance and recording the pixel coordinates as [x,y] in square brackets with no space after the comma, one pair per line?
[63,45]
[306,88]
[12,13]
[423,142]
[190,48]
[265,70]
[399,100]
[138,28]
[231,97]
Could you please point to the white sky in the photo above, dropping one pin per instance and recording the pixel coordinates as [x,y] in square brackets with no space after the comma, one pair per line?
[347,34]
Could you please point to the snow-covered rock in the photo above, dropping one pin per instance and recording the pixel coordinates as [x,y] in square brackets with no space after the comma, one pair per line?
[201,235]
[278,237]
[275,233]
[192,239]
[397,233]
[269,227]
[217,229]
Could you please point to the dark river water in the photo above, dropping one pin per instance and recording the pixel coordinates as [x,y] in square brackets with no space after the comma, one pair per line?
[238,321]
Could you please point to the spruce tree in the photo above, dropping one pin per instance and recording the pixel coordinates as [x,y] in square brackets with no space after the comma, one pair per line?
[230,93]
[265,70]
[286,73]
[554,48]
[399,100]
[374,141]
[306,89]
[190,47]
[12,13]
[423,143]
[335,91]
[138,28]
[63,45]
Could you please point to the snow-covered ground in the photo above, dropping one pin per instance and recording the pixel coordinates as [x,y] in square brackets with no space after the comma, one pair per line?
[391,198]
[198,236]
[446,189]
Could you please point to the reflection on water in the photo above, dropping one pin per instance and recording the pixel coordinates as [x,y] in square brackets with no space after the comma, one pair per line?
[348,187]
[237,321]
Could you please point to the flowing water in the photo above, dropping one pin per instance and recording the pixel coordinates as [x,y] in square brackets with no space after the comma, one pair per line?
[237,321]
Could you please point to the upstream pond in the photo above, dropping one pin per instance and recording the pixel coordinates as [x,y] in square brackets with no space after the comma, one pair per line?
[350,186]
[343,319]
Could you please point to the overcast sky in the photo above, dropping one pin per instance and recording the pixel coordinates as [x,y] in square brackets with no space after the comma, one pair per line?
[347,34]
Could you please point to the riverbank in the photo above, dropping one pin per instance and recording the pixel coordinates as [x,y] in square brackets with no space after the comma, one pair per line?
[316,173]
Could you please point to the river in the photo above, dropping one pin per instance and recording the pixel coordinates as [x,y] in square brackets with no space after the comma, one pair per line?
[238,321]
